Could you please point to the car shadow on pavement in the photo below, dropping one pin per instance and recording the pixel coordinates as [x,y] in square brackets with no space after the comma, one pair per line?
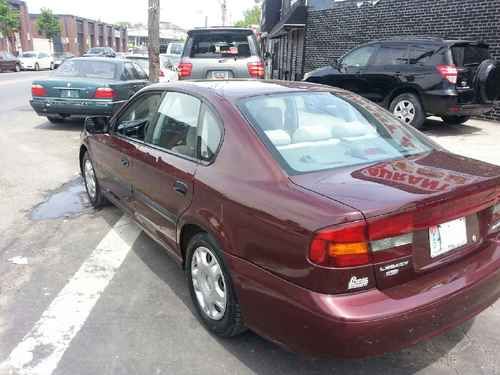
[71,125]
[439,128]
[264,357]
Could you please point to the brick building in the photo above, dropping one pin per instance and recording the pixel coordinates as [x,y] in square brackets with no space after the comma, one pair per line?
[79,34]
[23,37]
[332,27]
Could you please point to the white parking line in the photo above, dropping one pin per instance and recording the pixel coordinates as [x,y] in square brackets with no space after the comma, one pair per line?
[42,348]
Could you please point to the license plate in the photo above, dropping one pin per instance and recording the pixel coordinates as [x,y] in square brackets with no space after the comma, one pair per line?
[448,236]
[220,75]
[70,94]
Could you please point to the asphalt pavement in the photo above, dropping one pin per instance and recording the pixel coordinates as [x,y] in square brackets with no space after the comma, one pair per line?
[85,292]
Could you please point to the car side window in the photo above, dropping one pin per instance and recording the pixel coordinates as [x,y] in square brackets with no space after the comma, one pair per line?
[138,117]
[177,125]
[140,73]
[422,54]
[128,72]
[210,135]
[391,54]
[359,57]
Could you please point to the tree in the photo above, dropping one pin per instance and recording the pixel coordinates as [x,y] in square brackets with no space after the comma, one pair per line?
[154,39]
[9,23]
[250,17]
[48,24]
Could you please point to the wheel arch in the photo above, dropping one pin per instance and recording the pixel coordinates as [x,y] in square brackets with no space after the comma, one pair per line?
[404,90]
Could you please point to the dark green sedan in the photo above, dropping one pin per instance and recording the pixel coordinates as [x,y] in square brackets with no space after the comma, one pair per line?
[87,86]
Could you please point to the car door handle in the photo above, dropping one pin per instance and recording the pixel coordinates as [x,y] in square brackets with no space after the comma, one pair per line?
[180,187]
[125,162]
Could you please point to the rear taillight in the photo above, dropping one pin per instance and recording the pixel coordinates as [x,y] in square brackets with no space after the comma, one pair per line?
[38,90]
[185,69]
[448,72]
[104,93]
[161,73]
[256,69]
[361,243]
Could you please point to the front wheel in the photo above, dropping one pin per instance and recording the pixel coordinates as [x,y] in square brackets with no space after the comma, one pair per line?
[407,108]
[92,186]
[455,120]
[211,287]
[18,68]
[37,67]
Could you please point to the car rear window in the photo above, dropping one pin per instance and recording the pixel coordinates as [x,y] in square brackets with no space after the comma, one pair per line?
[87,69]
[212,45]
[469,55]
[309,132]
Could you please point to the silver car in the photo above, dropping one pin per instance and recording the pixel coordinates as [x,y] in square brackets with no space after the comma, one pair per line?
[221,53]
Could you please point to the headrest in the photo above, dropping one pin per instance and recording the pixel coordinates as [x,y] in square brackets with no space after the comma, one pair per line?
[278,137]
[270,118]
[312,134]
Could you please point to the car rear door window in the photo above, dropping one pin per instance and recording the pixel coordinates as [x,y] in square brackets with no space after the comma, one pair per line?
[391,54]
[129,72]
[359,57]
[176,127]
[210,135]
[138,117]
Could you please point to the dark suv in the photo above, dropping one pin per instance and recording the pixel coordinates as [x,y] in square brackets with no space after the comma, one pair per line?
[415,77]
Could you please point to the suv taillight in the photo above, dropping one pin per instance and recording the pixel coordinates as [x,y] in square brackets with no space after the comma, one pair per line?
[448,72]
[256,69]
[185,69]
[38,90]
[360,243]
[104,93]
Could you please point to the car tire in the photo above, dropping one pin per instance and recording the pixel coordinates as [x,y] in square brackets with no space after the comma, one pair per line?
[18,68]
[94,192]
[455,120]
[54,119]
[51,66]
[202,257]
[37,67]
[408,108]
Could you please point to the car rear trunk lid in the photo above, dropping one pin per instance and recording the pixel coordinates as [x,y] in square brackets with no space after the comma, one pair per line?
[73,88]
[434,189]
[467,57]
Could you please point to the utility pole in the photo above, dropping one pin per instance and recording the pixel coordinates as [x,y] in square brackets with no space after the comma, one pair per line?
[154,40]
[223,6]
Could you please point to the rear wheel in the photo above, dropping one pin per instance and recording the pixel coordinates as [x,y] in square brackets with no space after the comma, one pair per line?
[407,108]
[18,68]
[211,287]
[54,119]
[92,186]
[455,120]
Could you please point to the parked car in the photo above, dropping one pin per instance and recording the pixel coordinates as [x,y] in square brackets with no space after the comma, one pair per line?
[87,86]
[9,62]
[169,67]
[221,53]
[415,77]
[59,58]
[32,60]
[175,48]
[100,52]
[306,213]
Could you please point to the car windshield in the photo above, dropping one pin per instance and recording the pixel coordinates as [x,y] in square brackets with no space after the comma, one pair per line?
[29,54]
[142,62]
[97,50]
[176,48]
[216,45]
[87,69]
[168,61]
[309,132]
[469,55]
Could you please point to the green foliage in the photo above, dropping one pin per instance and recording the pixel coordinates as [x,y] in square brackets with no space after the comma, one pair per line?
[48,24]
[9,19]
[251,17]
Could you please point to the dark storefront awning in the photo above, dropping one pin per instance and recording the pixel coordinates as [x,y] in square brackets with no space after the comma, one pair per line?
[296,18]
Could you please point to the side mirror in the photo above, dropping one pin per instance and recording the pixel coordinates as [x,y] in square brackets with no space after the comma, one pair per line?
[97,124]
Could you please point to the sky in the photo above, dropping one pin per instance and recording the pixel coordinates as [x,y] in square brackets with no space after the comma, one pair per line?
[184,13]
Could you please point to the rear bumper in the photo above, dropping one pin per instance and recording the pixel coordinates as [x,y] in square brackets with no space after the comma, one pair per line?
[75,107]
[372,322]
[451,103]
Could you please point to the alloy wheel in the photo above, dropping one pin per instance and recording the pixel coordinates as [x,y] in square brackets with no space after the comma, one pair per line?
[90,180]
[405,111]
[208,283]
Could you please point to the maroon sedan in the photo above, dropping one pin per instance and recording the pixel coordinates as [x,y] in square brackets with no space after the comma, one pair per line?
[305,213]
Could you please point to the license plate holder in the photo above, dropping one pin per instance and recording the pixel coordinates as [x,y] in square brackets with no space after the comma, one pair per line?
[446,237]
[220,75]
[70,94]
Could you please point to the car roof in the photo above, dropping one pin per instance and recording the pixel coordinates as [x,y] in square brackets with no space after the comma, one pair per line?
[98,58]
[218,28]
[236,89]
[425,39]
